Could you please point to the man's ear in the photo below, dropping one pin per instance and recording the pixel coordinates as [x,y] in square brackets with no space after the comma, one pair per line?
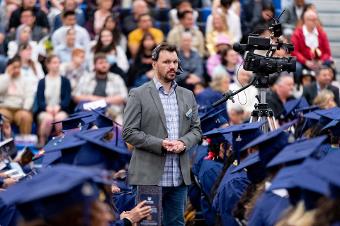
[154,65]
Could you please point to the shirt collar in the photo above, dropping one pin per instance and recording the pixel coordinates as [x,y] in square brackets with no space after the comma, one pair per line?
[160,87]
[306,32]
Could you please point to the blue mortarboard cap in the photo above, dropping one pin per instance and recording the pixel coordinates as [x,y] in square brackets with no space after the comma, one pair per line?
[53,190]
[79,120]
[269,144]
[284,178]
[66,148]
[292,105]
[305,110]
[312,115]
[297,151]
[217,136]
[307,180]
[103,121]
[332,113]
[251,159]
[242,134]
[213,119]
[100,150]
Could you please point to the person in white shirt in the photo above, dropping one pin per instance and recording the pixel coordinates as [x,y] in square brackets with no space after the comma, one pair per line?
[69,20]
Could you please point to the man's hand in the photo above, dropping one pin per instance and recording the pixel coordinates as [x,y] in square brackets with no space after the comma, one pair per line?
[175,146]
[8,182]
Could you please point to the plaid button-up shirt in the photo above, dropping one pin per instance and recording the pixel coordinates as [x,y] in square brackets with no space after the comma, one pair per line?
[172,175]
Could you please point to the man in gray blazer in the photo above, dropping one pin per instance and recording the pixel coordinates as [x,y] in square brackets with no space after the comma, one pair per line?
[161,122]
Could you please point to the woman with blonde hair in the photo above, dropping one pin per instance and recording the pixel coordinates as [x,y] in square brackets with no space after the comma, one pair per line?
[325,99]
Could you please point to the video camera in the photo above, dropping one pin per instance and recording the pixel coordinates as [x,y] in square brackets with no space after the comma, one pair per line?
[267,64]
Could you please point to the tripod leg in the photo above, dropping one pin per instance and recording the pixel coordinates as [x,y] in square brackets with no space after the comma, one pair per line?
[270,123]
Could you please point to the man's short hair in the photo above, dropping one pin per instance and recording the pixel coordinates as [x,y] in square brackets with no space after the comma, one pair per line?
[163,46]
[282,76]
[28,10]
[99,56]
[14,59]
[67,13]
[142,15]
[323,67]
[181,15]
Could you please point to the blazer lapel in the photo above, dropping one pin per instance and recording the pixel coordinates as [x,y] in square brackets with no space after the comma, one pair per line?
[156,99]
[180,103]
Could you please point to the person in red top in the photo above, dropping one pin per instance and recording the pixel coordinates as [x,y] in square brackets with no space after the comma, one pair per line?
[311,45]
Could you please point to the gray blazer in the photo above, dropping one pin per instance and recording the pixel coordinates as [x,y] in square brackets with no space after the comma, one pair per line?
[144,127]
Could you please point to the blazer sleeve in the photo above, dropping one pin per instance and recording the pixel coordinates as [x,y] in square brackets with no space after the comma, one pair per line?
[195,133]
[65,97]
[336,95]
[40,98]
[132,132]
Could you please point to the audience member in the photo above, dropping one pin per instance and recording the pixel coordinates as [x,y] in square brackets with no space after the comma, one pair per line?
[325,99]
[96,23]
[112,23]
[220,28]
[324,77]
[233,20]
[280,93]
[40,16]
[311,45]
[102,85]
[182,5]
[144,25]
[69,20]
[246,99]
[229,63]
[222,43]
[291,16]
[191,63]
[52,100]
[266,17]
[69,5]
[130,22]
[23,36]
[64,50]
[141,71]
[186,19]
[16,96]
[115,54]
[75,68]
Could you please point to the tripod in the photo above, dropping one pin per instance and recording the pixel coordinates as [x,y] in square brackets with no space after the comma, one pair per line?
[262,111]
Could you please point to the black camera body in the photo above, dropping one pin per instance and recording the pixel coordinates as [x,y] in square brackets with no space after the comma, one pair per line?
[268,65]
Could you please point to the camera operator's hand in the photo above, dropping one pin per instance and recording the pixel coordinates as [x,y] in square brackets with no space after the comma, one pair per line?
[8,182]
[138,213]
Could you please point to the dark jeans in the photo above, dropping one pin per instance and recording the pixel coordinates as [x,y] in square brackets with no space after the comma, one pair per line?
[174,202]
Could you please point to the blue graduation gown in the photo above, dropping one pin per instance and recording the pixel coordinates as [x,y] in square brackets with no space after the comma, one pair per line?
[268,209]
[199,153]
[208,174]
[8,214]
[229,192]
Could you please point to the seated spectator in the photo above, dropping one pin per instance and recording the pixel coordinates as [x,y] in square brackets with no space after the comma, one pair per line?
[6,10]
[186,19]
[236,115]
[311,45]
[280,93]
[16,97]
[52,100]
[182,5]
[130,22]
[229,63]
[115,55]
[325,99]
[191,63]
[323,81]
[64,50]
[41,18]
[112,23]
[246,99]
[3,52]
[30,69]
[141,68]
[233,20]
[218,86]
[222,43]
[291,16]
[69,5]
[69,20]
[102,85]
[23,36]
[220,28]
[266,17]
[74,68]
[27,17]
[144,25]
[96,22]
